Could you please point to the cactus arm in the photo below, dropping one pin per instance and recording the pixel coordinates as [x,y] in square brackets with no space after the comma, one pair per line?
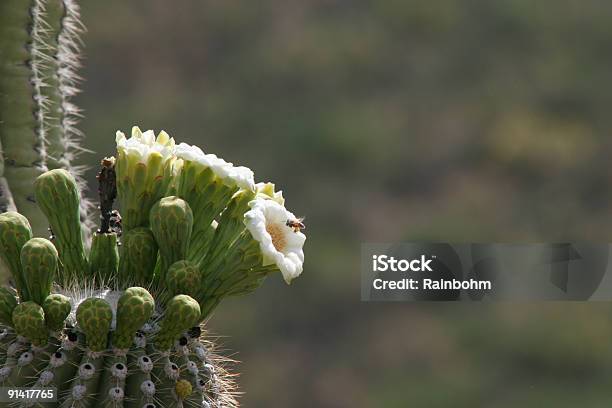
[23,145]
[57,195]
[6,198]
[39,52]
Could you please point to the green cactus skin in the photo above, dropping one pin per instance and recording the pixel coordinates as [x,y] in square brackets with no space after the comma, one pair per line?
[15,231]
[8,302]
[29,321]
[89,373]
[94,316]
[183,279]
[182,312]
[57,308]
[138,374]
[39,48]
[237,273]
[138,257]
[230,227]
[104,258]
[167,372]
[63,366]
[171,222]
[112,382]
[134,309]
[207,195]
[30,363]
[58,196]
[39,261]
[23,147]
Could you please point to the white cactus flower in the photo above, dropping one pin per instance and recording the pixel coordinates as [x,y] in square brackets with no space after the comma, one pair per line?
[280,244]
[267,190]
[240,176]
[144,167]
[141,146]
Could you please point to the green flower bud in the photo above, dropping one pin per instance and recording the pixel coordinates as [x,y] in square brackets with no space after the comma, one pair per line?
[58,196]
[15,231]
[138,257]
[104,257]
[8,301]
[39,260]
[183,278]
[183,389]
[134,309]
[94,316]
[144,169]
[171,221]
[29,321]
[57,308]
[182,313]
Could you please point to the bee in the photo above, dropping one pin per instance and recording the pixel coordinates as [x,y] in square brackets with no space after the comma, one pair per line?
[296,225]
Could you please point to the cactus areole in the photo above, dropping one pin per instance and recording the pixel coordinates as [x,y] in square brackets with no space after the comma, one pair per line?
[113,315]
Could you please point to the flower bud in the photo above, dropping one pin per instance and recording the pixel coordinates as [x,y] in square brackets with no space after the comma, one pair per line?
[135,307]
[58,196]
[15,231]
[94,316]
[171,224]
[29,322]
[57,308]
[40,261]
[144,170]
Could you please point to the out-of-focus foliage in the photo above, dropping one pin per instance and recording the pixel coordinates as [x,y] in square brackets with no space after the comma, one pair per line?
[382,121]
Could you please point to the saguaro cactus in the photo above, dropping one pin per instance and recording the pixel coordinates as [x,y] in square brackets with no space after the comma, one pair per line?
[138,346]
[109,326]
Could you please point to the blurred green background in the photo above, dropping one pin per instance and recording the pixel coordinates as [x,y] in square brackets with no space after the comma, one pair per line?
[385,121]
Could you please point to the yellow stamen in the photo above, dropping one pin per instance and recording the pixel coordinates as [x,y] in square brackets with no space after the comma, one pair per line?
[278,238]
